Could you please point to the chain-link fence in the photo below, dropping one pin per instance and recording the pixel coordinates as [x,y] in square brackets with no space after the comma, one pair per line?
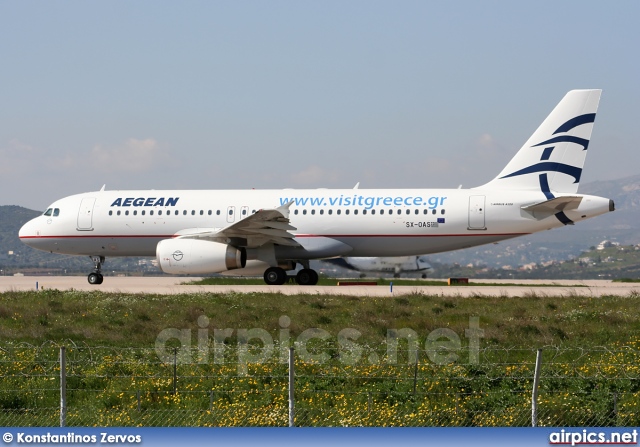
[332,386]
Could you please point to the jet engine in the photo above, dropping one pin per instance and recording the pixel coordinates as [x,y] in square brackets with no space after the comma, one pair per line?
[197,256]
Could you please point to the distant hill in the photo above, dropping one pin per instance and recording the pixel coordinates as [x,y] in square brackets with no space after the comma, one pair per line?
[626,195]
[12,251]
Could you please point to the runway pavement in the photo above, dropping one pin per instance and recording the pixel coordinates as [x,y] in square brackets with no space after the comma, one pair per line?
[174,285]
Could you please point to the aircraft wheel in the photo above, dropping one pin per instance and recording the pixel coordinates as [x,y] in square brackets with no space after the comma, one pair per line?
[275,276]
[95,278]
[307,277]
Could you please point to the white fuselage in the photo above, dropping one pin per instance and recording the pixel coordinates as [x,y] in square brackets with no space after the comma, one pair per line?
[193,232]
[351,222]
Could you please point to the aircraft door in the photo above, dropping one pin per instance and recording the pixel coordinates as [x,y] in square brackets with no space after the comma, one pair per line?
[231,214]
[476,213]
[85,214]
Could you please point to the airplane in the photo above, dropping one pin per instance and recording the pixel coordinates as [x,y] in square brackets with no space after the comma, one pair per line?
[375,265]
[215,231]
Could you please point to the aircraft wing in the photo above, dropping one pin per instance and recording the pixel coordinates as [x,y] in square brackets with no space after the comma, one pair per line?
[262,227]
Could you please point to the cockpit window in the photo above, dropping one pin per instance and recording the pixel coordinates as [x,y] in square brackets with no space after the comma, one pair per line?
[48,212]
[56,212]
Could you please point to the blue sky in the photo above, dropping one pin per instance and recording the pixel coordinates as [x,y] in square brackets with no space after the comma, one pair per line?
[300,94]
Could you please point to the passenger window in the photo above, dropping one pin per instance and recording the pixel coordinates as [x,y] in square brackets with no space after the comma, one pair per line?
[48,212]
[433,212]
[126,213]
[442,212]
[304,212]
[295,212]
[338,212]
[143,212]
[313,211]
[202,212]
[110,212]
[160,213]
[210,213]
[244,212]
[355,211]
[373,211]
[399,211]
[151,213]
[330,212]
[218,213]
[364,211]
[408,211]
[193,212]
[321,212]
[118,212]
[346,211]
[135,212]
[176,213]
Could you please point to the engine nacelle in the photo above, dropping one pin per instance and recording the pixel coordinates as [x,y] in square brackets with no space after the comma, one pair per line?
[196,256]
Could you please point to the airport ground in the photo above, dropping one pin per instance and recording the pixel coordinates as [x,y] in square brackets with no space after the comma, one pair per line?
[112,341]
[176,285]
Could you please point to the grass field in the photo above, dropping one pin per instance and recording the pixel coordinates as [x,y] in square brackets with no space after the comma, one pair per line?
[111,319]
[590,377]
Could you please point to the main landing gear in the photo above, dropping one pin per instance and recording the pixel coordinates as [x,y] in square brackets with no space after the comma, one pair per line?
[276,276]
[96,277]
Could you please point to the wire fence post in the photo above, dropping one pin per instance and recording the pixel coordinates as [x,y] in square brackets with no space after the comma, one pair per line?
[291,385]
[175,371]
[415,374]
[534,394]
[63,386]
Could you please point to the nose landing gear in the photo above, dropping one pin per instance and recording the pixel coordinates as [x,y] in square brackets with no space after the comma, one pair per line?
[96,277]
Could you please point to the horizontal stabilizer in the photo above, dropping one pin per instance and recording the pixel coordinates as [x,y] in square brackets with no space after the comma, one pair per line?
[554,206]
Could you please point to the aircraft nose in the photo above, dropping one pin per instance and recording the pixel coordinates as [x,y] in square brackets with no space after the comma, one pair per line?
[27,232]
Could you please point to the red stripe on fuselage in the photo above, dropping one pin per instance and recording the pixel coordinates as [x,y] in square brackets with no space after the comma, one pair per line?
[121,236]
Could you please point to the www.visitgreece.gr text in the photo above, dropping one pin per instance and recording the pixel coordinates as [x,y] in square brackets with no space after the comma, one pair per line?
[367,202]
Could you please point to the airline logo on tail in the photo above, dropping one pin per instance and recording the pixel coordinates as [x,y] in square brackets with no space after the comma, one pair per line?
[547,166]
[556,151]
